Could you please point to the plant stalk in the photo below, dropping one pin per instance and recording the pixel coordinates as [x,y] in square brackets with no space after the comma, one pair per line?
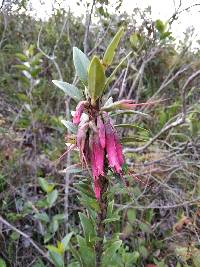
[103,203]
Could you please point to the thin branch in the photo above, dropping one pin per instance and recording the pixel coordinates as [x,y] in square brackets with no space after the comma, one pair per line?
[2,4]
[12,227]
[180,120]
[178,205]
[98,43]
[88,22]
[139,76]
[52,58]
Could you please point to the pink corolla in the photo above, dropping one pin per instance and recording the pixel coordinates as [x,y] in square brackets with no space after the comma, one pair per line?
[97,154]
[79,111]
[81,141]
[113,146]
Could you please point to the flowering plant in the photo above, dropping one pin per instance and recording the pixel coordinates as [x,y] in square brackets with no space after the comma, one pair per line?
[99,148]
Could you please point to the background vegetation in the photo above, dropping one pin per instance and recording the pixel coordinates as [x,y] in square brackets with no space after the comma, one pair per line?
[158,216]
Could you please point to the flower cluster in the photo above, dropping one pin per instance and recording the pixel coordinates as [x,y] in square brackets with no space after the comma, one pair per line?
[98,142]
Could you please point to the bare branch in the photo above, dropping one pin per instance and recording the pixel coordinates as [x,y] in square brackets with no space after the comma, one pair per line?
[180,120]
[151,55]
[87,26]
[12,227]
[2,4]
[51,58]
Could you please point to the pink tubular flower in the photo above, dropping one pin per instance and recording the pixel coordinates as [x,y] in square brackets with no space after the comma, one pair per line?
[126,104]
[101,130]
[81,140]
[113,146]
[97,161]
[79,111]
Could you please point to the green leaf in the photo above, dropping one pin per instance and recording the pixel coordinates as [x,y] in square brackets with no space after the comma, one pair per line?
[42,217]
[2,263]
[70,126]
[143,251]
[87,253]
[85,188]
[81,63]
[196,259]
[88,227]
[36,59]
[59,217]
[66,240]
[69,89]
[132,139]
[96,79]
[164,35]
[76,255]
[110,51]
[51,197]
[72,169]
[73,264]
[110,209]
[89,202]
[145,228]
[59,250]
[39,263]
[160,26]
[134,39]
[23,58]
[57,259]
[136,256]
[132,126]
[130,112]
[22,67]
[110,252]
[54,226]
[116,69]
[46,187]
[114,218]
[131,215]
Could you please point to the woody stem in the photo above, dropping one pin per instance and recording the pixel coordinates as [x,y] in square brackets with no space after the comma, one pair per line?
[103,203]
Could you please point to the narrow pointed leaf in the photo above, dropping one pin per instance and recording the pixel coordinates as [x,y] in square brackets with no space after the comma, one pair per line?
[51,197]
[88,227]
[116,69]
[130,112]
[131,126]
[66,240]
[81,63]
[110,251]
[22,57]
[96,79]
[86,252]
[69,89]
[46,187]
[70,126]
[110,51]
[2,263]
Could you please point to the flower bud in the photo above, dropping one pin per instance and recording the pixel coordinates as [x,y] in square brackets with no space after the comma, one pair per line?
[79,111]
[120,105]
[97,161]
[81,139]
